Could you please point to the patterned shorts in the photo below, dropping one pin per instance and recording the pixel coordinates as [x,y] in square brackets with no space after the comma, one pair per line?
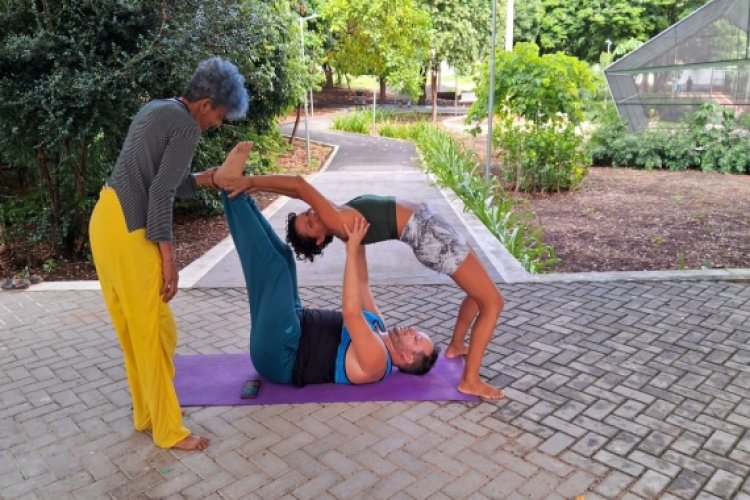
[434,242]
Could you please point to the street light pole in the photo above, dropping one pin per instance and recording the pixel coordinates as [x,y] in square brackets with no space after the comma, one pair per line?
[509,15]
[609,61]
[491,100]
[302,21]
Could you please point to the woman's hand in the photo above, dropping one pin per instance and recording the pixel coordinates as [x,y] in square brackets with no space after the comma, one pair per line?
[170,275]
[355,236]
[237,185]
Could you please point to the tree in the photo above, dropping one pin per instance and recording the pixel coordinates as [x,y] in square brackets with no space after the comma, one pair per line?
[664,13]
[581,27]
[72,74]
[459,34]
[385,38]
[319,40]
[528,20]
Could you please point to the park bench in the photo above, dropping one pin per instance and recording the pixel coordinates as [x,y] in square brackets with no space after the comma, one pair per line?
[359,97]
[467,98]
[402,100]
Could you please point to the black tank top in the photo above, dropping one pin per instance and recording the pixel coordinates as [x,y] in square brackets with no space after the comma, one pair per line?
[318,345]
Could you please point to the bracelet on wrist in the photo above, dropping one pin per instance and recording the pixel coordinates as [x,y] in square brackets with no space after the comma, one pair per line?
[213,181]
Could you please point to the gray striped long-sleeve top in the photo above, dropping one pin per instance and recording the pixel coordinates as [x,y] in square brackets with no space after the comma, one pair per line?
[154,166]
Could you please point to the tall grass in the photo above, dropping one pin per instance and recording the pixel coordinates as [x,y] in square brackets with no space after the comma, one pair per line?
[361,121]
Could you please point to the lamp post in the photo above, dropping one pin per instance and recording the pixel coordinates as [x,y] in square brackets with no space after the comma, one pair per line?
[302,21]
[491,99]
[609,44]
[509,15]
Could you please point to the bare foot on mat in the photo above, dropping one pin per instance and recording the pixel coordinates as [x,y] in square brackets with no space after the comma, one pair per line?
[454,352]
[482,389]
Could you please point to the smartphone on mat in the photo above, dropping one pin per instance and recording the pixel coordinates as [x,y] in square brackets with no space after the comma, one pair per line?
[250,389]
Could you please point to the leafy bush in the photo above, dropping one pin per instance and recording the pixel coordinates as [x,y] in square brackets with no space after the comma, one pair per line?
[611,128]
[458,170]
[395,131]
[358,122]
[72,75]
[539,100]
[541,156]
[538,88]
[711,139]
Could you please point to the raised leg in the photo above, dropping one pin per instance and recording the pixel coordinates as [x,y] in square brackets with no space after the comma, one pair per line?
[270,275]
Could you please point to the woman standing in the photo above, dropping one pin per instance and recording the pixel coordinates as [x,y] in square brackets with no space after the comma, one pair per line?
[131,238]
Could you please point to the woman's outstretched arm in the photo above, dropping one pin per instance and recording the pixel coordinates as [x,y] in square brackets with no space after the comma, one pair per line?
[294,186]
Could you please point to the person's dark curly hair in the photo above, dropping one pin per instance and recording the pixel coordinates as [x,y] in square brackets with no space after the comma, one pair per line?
[304,248]
[421,364]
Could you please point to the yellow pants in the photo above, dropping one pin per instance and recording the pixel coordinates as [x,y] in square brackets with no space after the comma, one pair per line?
[130,272]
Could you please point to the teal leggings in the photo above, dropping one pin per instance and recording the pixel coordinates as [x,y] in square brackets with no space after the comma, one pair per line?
[271,280]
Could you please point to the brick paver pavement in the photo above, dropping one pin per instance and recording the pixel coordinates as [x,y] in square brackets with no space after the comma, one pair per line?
[614,390]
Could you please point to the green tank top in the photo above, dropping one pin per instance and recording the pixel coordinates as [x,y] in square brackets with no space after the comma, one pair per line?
[380,212]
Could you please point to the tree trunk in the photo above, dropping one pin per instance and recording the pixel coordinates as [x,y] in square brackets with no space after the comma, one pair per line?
[423,98]
[79,228]
[328,70]
[434,90]
[77,169]
[519,174]
[49,185]
[296,124]
[382,90]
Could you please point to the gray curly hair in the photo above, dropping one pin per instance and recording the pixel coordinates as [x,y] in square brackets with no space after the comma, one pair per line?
[220,81]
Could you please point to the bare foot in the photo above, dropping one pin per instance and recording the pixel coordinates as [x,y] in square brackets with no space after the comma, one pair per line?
[234,163]
[192,442]
[454,352]
[481,389]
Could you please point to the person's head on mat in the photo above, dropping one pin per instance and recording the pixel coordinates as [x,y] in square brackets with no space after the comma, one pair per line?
[413,351]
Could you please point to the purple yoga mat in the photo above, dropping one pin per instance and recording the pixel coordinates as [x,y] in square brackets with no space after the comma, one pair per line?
[217,379]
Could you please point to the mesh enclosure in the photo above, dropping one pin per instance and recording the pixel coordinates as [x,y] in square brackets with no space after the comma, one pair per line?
[703,58]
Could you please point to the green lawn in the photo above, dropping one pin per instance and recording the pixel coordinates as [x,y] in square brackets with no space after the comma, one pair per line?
[447,82]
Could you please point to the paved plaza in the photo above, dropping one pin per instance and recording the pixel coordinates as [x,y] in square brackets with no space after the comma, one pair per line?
[632,386]
[614,390]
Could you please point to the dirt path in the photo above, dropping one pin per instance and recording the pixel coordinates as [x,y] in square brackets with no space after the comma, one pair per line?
[632,220]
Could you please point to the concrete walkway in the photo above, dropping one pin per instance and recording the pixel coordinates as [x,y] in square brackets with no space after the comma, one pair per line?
[618,386]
